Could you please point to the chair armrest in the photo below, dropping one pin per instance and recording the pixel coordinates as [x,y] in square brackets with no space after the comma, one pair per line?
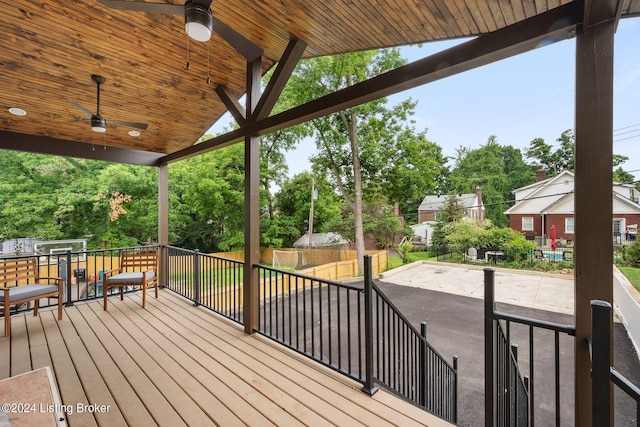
[110,273]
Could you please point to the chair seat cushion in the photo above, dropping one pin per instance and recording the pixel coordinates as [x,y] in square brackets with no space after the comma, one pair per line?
[18,293]
[129,278]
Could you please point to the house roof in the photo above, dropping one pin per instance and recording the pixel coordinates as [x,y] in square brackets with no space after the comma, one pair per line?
[51,48]
[320,239]
[555,195]
[434,203]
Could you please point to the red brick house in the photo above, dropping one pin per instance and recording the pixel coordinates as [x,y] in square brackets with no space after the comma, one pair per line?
[550,202]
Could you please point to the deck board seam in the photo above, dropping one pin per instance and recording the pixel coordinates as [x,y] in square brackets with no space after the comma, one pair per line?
[323,393]
[372,405]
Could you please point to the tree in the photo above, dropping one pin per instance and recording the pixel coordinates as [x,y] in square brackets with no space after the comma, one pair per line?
[208,199]
[451,211]
[370,149]
[294,201]
[562,158]
[497,170]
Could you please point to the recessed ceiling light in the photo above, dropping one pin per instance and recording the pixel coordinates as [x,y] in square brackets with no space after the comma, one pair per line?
[17,111]
[134,133]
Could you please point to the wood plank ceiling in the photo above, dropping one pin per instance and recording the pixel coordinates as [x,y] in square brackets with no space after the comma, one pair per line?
[51,48]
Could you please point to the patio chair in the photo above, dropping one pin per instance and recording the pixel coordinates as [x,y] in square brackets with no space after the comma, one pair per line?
[25,273]
[539,255]
[567,256]
[138,267]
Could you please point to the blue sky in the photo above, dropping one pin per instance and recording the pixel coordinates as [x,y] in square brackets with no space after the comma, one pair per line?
[518,99]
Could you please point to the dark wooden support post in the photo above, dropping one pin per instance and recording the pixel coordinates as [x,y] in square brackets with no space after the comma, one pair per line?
[593,187]
[163,222]
[251,291]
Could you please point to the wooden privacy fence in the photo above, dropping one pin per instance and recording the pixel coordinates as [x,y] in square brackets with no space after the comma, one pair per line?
[277,284]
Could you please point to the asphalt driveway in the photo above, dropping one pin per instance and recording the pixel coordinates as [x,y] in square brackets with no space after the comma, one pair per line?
[455,327]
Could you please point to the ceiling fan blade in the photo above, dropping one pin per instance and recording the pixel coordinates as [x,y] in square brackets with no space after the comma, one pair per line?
[239,42]
[81,108]
[139,6]
[142,126]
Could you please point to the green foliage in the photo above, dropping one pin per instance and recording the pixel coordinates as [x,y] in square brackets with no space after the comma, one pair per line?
[403,250]
[497,170]
[293,201]
[631,254]
[466,233]
[385,229]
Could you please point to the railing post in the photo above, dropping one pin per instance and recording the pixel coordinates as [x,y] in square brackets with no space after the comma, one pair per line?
[489,349]
[196,277]
[69,301]
[455,389]
[512,390]
[369,387]
[601,363]
[422,370]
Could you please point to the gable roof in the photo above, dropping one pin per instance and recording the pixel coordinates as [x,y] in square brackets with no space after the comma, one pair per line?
[556,195]
[320,239]
[435,203]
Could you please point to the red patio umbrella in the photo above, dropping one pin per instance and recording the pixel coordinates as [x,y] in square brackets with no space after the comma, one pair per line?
[552,234]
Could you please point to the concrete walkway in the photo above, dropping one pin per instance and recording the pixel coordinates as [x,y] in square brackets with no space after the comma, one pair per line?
[542,291]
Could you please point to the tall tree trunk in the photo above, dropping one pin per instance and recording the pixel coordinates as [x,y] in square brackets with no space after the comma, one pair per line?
[352,126]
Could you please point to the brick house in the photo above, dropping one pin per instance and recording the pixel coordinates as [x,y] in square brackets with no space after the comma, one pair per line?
[550,201]
[431,206]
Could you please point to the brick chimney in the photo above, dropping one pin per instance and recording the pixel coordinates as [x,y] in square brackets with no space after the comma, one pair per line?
[542,175]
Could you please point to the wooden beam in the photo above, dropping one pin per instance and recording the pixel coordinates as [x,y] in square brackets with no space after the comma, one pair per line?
[251,289]
[555,25]
[163,220]
[593,268]
[232,104]
[59,147]
[280,77]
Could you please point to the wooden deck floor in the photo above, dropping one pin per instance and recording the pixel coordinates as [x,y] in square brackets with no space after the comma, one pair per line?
[174,364]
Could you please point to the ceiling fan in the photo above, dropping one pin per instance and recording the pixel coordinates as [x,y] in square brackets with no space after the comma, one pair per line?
[99,123]
[198,22]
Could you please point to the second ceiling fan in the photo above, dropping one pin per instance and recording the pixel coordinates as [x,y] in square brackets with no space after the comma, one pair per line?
[199,22]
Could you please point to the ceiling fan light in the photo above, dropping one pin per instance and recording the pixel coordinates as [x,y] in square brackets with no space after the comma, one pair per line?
[98,124]
[198,22]
[17,111]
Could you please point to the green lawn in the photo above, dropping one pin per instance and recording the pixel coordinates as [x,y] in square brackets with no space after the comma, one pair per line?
[412,257]
[633,274]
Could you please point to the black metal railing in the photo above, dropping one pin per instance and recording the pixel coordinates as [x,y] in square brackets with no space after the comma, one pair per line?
[405,362]
[82,273]
[602,373]
[322,319]
[207,280]
[510,399]
[358,332]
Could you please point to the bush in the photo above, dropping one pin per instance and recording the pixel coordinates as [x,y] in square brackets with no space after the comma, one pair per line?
[466,233]
[631,254]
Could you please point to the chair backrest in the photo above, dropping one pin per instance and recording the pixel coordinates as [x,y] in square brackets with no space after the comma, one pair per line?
[538,254]
[18,271]
[139,259]
[567,256]
[473,253]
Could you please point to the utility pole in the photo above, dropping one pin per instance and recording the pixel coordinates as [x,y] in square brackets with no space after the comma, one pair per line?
[314,196]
